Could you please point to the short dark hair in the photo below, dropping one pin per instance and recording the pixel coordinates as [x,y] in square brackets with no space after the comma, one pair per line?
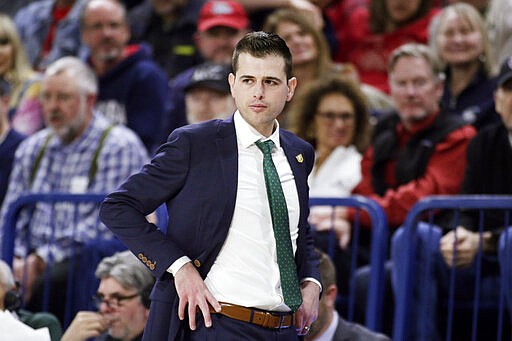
[261,44]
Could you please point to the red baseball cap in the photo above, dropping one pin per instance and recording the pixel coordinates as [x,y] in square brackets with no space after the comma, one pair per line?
[222,13]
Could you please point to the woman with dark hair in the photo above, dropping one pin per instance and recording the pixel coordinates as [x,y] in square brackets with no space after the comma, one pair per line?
[374,31]
[332,115]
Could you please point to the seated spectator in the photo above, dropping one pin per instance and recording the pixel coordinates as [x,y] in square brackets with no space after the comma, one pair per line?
[132,88]
[25,111]
[488,171]
[10,300]
[79,152]
[208,96]
[311,57]
[459,39]
[330,326]
[9,140]
[375,31]
[416,151]
[168,27]
[49,30]
[333,116]
[395,174]
[122,300]
[222,23]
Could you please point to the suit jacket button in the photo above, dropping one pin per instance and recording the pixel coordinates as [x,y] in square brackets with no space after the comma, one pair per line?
[152,266]
[197,263]
[140,255]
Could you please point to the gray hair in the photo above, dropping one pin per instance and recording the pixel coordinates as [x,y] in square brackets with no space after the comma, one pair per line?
[6,277]
[83,75]
[126,269]
[417,51]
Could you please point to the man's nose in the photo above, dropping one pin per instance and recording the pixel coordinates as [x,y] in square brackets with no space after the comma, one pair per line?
[410,89]
[259,90]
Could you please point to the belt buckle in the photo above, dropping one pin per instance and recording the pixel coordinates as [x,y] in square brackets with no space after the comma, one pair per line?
[266,319]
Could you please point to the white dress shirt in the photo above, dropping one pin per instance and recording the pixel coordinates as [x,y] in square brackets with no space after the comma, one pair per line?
[246,271]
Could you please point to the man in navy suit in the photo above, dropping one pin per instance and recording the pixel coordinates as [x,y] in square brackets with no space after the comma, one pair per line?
[216,265]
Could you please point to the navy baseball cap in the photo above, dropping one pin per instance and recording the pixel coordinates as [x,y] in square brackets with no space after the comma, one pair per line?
[210,75]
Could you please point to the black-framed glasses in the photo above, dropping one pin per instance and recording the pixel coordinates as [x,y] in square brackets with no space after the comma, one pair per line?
[332,116]
[114,301]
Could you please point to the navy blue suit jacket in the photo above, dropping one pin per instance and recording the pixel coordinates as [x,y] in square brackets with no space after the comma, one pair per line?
[195,173]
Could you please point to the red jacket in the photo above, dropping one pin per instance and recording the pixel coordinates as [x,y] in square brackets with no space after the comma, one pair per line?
[443,175]
[369,52]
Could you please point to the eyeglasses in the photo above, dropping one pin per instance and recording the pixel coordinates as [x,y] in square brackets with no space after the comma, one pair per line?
[114,301]
[331,116]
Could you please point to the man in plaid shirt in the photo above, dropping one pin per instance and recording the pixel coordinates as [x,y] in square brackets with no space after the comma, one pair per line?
[78,152]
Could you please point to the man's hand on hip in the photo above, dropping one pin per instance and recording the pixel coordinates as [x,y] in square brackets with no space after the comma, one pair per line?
[193,292]
[308,311]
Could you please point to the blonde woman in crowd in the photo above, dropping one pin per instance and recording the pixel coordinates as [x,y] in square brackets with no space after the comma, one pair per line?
[25,111]
[311,57]
[459,39]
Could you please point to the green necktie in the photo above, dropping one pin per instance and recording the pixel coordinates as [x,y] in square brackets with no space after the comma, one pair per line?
[280,222]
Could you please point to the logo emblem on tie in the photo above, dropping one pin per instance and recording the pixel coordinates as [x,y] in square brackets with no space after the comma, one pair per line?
[299,158]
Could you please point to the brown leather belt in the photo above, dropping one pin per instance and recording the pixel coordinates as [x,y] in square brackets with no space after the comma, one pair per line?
[261,318]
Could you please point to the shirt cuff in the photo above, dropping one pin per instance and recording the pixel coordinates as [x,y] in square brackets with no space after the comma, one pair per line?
[311,279]
[178,263]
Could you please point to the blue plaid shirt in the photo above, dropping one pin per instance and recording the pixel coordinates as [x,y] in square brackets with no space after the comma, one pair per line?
[65,168]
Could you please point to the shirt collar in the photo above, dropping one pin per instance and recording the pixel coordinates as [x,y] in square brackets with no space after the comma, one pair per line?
[247,135]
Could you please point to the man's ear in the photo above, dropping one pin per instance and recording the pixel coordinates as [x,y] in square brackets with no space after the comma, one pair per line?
[292,84]
[330,294]
[231,81]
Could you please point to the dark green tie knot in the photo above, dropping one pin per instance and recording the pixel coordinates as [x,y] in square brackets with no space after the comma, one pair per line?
[265,147]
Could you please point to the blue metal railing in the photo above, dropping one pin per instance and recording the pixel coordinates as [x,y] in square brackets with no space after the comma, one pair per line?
[431,204]
[379,244]
[9,232]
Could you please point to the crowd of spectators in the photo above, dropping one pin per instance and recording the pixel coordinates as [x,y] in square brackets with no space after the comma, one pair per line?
[391,94]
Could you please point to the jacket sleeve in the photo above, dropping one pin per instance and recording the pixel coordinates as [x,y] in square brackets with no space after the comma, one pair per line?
[124,210]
